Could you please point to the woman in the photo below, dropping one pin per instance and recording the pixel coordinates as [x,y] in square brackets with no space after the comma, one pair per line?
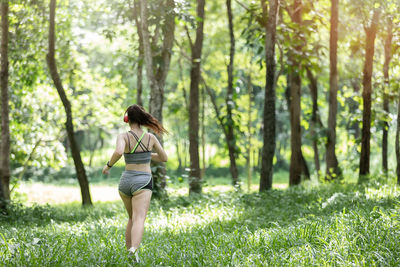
[136,183]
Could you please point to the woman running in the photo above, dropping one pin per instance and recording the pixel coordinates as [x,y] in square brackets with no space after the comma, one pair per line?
[136,183]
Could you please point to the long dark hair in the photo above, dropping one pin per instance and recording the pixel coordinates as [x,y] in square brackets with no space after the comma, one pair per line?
[137,114]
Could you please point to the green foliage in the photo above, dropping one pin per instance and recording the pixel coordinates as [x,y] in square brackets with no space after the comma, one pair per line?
[97,55]
[326,225]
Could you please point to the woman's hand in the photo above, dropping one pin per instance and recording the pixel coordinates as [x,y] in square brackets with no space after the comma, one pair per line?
[106,170]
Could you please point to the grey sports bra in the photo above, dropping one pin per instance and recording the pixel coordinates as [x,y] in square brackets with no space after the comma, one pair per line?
[138,157]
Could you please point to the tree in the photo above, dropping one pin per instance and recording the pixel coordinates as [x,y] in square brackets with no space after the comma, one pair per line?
[5,130]
[226,122]
[230,136]
[388,57]
[157,60]
[195,75]
[315,117]
[332,168]
[296,157]
[51,62]
[139,78]
[268,150]
[398,141]
[5,120]
[367,91]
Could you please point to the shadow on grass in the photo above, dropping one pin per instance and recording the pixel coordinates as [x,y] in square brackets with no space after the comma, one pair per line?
[19,214]
[295,217]
[282,207]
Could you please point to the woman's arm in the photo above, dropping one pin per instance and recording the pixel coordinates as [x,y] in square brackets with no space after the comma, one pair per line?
[160,154]
[119,150]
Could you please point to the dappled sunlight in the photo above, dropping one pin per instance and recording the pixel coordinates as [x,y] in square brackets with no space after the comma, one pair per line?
[58,194]
[47,193]
[181,219]
[304,225]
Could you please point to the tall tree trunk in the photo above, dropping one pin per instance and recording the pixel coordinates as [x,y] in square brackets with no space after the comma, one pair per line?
[80,170]
[295,109]
[5,120]
[248,160]
[398,142]
[295,136]
[203,135]
[332,168]
[367,91]
[231,140]
[194,175]
[269,139]
[139,77]
[315,118]
[386,88]
[156,75]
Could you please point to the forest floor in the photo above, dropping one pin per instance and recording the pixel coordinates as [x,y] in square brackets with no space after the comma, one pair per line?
[326,224]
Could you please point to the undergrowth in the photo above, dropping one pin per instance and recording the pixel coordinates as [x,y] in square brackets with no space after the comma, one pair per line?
[330,224]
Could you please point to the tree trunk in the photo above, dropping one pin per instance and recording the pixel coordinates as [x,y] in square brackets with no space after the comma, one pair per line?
[3,203]
[332,168]
[367,91]
[178,155]
[248,160]
[315,118]
[203,135]
[231,140]
[139,78]
[156,75]
[386,88]
[194,175]
[5,120]
[269,138]
[80,170]
[295,135]
[398,142]
[295,108]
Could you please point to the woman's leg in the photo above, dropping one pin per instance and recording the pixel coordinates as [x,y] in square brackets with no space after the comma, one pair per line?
[128,206]
[140,206]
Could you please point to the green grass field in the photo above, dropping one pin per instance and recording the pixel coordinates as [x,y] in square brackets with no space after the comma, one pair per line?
[331,224]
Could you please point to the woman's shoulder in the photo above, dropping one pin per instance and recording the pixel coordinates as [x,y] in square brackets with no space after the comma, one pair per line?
[151,135]
[122,135]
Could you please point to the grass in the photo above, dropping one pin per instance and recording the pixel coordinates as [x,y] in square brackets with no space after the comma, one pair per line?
[329,224]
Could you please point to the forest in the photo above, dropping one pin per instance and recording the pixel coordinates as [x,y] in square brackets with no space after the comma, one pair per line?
[283,137]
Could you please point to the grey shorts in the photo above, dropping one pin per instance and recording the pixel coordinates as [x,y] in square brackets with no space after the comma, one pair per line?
[133,181]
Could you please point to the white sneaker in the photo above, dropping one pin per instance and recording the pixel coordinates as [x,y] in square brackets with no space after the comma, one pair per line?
[133,253]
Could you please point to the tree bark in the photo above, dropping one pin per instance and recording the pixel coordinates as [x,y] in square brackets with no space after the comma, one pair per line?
[248,160]
[203,135]
[295,108]
[139,77]
[367,91]
[3,203]
[386,88]
[156,75]
[315,118]
[398,142]
[332,166]
[231,140]
[80,170]
[5,120]
[194,175]
[269,137]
